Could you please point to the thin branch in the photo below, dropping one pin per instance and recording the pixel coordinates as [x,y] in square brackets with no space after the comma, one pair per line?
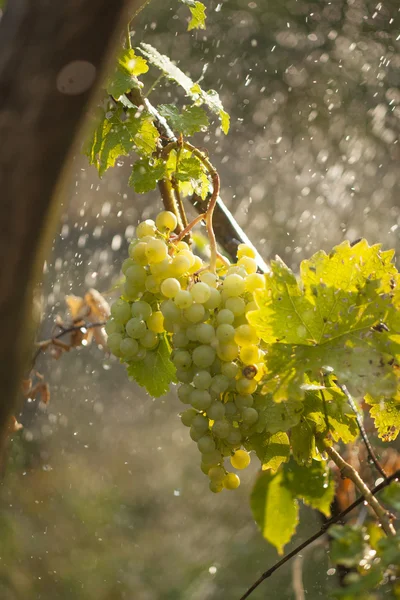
[189,227]
[371,454]
[348,471]
[339,517]
[53,340]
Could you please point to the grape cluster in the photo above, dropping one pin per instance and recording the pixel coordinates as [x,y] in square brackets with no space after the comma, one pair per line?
[219,363]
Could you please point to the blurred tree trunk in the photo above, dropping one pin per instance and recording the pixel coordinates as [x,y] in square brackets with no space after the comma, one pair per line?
[52,57]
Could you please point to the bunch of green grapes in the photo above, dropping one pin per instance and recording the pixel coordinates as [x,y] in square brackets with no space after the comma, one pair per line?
[219,363]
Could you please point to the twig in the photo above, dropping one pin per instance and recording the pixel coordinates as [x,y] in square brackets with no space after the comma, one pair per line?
[371,454]
[53,340]
[348,471]
[339,517]
[189,227]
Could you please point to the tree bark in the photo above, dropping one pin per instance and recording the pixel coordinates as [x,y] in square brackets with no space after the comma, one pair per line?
[52,58]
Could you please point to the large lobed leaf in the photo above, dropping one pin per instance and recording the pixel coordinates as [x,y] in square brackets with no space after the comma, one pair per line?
[129,67]
[198,14]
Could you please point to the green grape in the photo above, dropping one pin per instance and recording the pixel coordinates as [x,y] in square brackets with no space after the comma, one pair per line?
[216,474]
[255,281]
[191,333]
[234,438]
[205,468]
[160,270]
[195,313]
[169,326]
[250,306]
[230,369]
[152,285]
[170,311]
[203,356]
[188,416]
[240,459]
[141,310]
[135,328]
[231,481]
[113,327]
[136,275]
[200,423]
[249,264]
[206,444]
[131,291]
[233,285]
[170,287]
[145,228]
[215,368]
[166,220]
[220,384]
[225,333]
[121,311]
[200,292]
[182,246]
[236,305]
[205,333]
[212,458]
[184,392]
[137,252]
[209,278]
[200,399]
[194,434]
[128,262]
[179,265]
[180,340]
[249,416]
[216,487]
[185,375]
[214,300]
[227,352]
[129,348]
[182,359]
[155,322]
[225,316]
[149,340]
[140,355]
[244,250]
[189,255]
[183,299]
[245,335]
[216,411]
[230,410]
[243,401]
[246,386]
[249,355]
[113,342]
[197,265]
[156,250]
[221,429]
[202,380]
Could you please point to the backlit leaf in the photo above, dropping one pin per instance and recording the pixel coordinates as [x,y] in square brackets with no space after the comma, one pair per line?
[156,371]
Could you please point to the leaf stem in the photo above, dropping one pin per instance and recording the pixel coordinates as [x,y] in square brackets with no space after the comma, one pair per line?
[189,227]
[339,517]
[347,471]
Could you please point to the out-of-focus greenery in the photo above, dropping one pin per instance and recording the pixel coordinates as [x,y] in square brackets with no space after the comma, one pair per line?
[103,498]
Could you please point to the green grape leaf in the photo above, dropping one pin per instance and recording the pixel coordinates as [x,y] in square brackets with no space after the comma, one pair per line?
[312,484]
[129,66]
[189,173]
[274,509]
[276,416]
[389,550]
[386,416]
[188,122]
[341,419]
[211,98]
[348,545]
[302,441]
[391,495]
[198,13]
[340,317]
[116,134]
[272,450]
[156,371]
[145,175]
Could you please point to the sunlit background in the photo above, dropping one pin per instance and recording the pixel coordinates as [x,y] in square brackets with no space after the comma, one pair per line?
[103,497]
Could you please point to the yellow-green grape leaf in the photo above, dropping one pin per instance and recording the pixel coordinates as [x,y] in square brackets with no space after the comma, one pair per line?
[274,509]
[272,450]
[145,175]
[198,14]
[386,417]
[333,413]
[129,66]
[188,122]
[156,371]
[274,416]
[391,495]
[117,133]
[312,484]
[210,98]
[302,441]
[348,544]
[339,317]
